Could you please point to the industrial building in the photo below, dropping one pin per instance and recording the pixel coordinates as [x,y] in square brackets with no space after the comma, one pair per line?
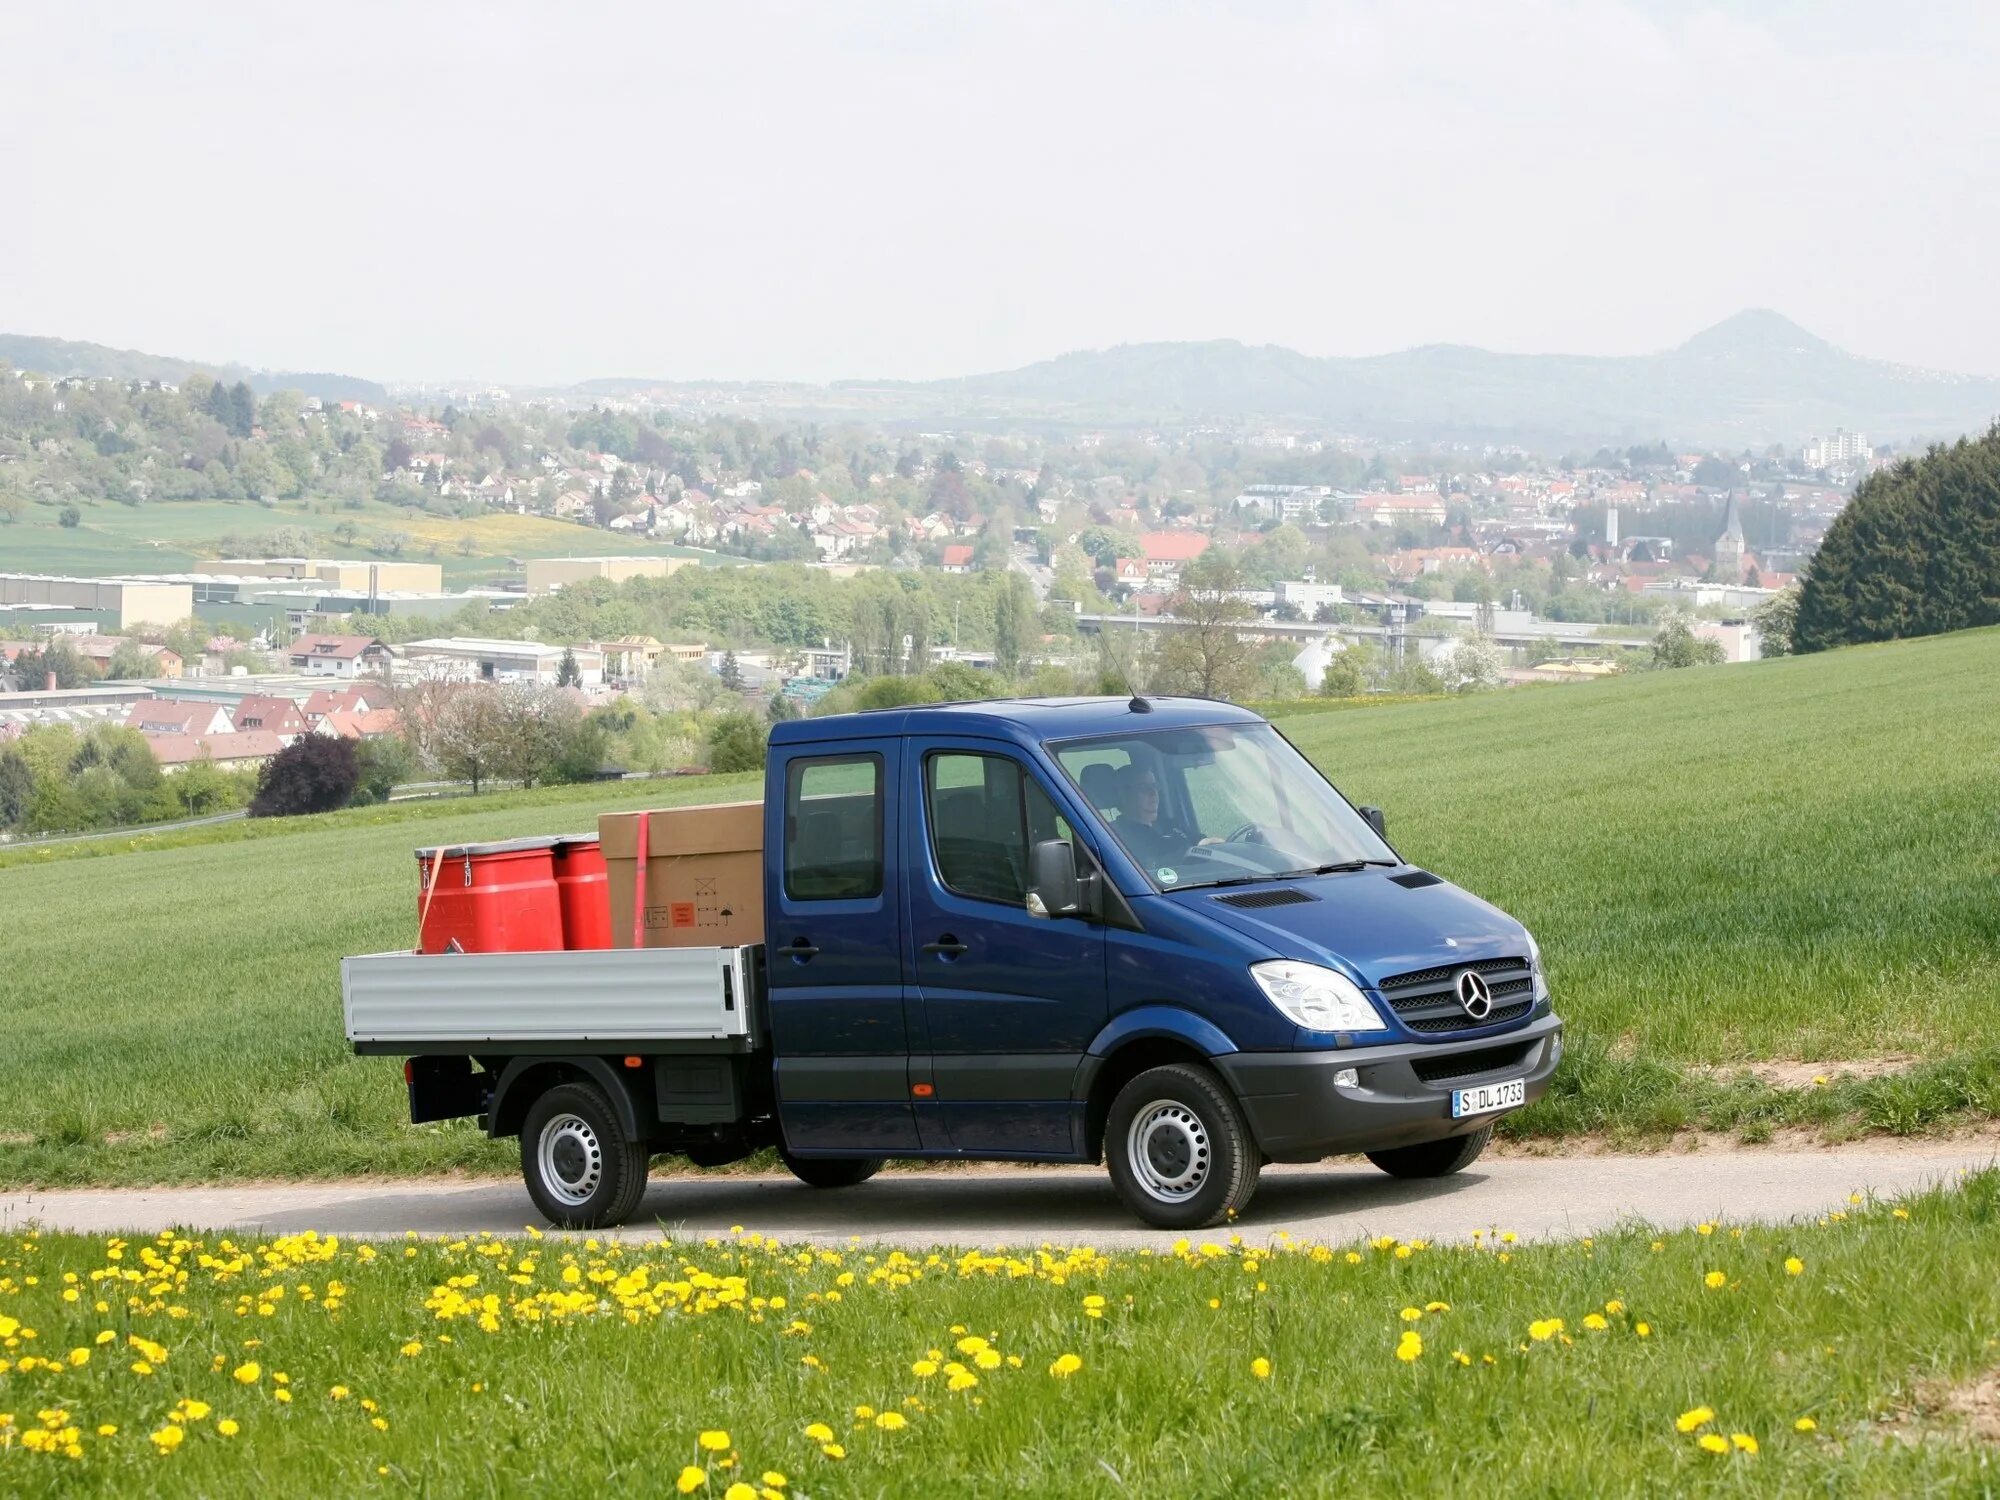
[109,603]
[547,574]
[464,659]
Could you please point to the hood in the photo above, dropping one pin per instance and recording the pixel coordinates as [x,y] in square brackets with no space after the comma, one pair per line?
[1365,920]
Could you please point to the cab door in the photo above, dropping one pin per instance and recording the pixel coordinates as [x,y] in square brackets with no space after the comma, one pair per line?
[1011,1002]
[833,927]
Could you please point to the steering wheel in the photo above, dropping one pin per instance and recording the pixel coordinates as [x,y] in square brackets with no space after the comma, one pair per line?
[1247,833]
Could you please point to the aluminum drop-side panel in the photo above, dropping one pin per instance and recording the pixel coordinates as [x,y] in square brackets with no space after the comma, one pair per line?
[624,994]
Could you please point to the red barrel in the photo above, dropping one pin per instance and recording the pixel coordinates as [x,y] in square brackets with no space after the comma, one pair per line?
[584,891]
[490,898]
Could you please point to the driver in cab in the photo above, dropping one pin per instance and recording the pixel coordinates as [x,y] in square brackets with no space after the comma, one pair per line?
[1150,839]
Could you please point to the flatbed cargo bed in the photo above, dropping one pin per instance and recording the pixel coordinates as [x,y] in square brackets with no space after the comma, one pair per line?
[504,1002]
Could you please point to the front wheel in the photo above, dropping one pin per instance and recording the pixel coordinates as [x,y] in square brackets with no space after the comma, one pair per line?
[580,1170]
[1180,1155]
[1434,1158]
[831,1171]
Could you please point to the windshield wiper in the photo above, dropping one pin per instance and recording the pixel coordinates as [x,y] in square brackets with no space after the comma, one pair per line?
[1344,866]
[1206,885]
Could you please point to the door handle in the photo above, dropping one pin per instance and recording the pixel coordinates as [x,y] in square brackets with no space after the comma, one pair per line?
[946,946]
[801,950]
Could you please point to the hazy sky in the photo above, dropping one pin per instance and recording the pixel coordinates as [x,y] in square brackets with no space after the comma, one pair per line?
[815,189]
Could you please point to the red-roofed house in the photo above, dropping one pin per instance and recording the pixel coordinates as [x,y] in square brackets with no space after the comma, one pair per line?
[173,751]
[368,724]
[338,655]
[279,716]
[957,558]
[348,700]
[172,716]
[1129,571]
[1167,552]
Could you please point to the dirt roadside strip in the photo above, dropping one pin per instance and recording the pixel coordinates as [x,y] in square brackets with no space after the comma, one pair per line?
[1535,1197]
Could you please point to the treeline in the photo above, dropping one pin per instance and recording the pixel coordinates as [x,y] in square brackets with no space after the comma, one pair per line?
[1916,552]
[55,780]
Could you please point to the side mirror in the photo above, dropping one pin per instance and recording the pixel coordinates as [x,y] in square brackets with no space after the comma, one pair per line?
[1053,889]
[1374,818]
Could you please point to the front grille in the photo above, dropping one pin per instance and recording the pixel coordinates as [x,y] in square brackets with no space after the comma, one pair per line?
[1466,1064]
[1426,1000]
[1253,900]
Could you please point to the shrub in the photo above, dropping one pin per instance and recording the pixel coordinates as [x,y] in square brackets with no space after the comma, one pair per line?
[313,774]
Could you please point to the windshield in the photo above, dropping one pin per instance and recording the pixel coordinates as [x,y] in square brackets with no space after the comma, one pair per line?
[1219,803]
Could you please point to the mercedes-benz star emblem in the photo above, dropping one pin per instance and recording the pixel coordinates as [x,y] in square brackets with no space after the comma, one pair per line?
[1475,994]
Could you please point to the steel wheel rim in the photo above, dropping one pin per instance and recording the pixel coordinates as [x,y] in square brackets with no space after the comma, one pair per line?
[571,1159]
[1169,1150]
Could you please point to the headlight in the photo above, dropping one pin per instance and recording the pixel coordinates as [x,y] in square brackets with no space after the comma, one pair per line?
[1535,963]
[1315,998]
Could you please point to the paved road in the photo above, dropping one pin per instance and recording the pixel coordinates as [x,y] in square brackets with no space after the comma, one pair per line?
[1536,1197]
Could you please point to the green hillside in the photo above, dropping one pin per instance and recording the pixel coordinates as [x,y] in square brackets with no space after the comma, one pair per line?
[1792,860]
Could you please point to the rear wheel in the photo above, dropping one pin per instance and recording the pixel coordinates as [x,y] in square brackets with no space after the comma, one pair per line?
[1434,1158]
[580,1170]
[1179,1153]
[831,1171]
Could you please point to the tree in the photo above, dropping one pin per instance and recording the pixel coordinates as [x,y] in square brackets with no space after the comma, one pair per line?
[469,736]
[1776,619]
[1915,552]
[17,787]
[69,517]
[32,669]
[782,707]
[1474,663]
[1676,645]
[568,674]
[130,660]
[536,723]
[315,773]
[385,763]
[1013,620]
[1344,676]
[1204,653]
[737,743]
[730,673]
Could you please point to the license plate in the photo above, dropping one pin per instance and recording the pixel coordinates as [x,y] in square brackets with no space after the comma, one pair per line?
[1487,1097]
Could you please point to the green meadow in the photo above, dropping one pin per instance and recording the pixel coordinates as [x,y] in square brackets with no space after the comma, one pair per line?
[1851,1356]
[1787,861]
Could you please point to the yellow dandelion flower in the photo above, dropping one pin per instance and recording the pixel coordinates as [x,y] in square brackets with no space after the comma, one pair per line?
[819,1432]
[1065,1366]
[1714,1443]
[1714,1279]
[228,1427]
[1410,1346]
[1411,1314]
[169,1438]
[194,1411]
[1699,1416]
[775,1480]
[691,1479]
[1805,1424]
[923,1369]
[1794,1266]
[892,1421]
[740,1491]
[833,1450]
[1596,1322]
[1614,1307]
[283,1396]
[962,1380]
[1743,1442]
[1261,1368]
[339,1393]
[248,1373]
[107,1429]
[1644,1330]
[1437,1307]
[714,1440]
[1544,1329]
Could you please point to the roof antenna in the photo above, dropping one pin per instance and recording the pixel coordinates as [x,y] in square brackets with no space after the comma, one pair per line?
[1138,705]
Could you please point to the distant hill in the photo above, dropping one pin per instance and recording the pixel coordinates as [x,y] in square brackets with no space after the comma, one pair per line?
[60,357]
[1752,379]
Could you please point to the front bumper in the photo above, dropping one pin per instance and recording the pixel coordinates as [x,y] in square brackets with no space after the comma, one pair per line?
[1298,1112]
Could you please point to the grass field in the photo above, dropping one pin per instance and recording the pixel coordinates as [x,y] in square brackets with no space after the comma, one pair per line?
[1860,1355]
[1793,860]
[168,536]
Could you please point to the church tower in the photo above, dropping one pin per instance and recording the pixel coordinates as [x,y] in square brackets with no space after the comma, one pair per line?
[1729,546]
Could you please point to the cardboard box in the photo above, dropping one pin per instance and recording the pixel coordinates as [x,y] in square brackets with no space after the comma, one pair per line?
[704,883]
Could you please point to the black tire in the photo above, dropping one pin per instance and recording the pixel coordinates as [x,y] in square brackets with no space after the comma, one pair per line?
[580,1169]
[1434,1158]
[1179,1152]
[831,1171]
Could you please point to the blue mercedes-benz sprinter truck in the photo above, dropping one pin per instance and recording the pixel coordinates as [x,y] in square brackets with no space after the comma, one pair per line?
[1147,932]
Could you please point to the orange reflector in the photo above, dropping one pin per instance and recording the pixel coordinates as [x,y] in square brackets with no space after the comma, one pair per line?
[410,1071]
[922,1090]
[633,1062]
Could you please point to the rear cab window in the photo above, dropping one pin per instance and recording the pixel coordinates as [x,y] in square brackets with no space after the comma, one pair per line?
[833,828]
[986,813]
